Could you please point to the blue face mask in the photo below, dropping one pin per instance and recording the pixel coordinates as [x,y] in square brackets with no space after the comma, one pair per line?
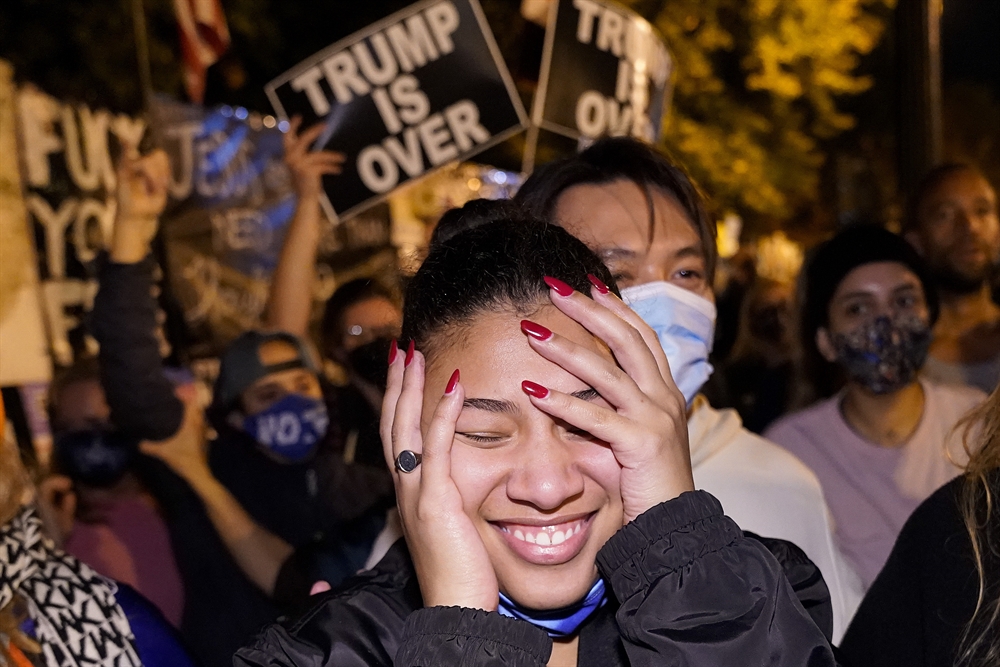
[558,622]
[98,458]
[685,324]
[291,428]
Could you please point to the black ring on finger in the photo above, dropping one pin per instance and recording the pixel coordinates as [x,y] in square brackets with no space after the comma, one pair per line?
[407,461]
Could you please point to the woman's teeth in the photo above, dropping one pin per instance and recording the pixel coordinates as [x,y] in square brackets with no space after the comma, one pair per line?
[546,535]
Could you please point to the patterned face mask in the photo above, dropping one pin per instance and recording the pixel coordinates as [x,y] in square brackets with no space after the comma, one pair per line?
[885,354]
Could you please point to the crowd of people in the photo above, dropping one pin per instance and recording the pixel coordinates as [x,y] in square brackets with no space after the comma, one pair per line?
[540,456]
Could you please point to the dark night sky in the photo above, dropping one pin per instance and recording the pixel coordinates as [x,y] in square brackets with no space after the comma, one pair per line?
[970,42]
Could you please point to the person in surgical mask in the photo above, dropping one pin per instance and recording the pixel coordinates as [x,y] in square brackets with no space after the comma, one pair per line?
[883,441]
[647,221]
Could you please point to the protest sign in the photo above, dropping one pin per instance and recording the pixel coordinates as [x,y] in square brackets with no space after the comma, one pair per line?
[422,88]
[606,71]
[223,233]
[68,153]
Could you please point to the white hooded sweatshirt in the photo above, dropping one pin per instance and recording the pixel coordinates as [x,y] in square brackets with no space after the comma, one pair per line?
[768,491]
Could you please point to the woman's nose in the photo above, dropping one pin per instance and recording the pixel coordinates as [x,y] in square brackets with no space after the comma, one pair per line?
[547,476]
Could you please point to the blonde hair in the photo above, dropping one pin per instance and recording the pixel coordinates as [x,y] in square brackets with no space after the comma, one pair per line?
[15,484]
[980,642]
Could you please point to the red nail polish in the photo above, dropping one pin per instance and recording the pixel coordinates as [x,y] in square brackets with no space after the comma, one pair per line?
[393,351]
[535,330]
[561,288]
[409,354]
[534,389]
[453,382]
[598,283]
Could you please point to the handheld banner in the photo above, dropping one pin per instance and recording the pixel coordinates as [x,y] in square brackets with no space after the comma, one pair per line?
[606,71]
[419,89]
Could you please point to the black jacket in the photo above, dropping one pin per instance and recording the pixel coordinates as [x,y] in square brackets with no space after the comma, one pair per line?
[919,605]
[691,590]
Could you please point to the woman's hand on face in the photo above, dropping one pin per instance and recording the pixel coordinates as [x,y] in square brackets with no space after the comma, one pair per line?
[309,167]
[452,565]
[646,426]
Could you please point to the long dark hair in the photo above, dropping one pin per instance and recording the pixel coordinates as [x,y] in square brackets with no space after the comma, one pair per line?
[622,159]
[490,257]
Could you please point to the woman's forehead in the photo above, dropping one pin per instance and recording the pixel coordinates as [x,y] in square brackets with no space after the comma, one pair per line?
[877,278]
[493,345]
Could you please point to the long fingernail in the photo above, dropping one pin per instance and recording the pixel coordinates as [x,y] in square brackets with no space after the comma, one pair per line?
[409,354]
[534,389]
[598,283]
[535,330]
[393,351]
[561,288]
[453,382]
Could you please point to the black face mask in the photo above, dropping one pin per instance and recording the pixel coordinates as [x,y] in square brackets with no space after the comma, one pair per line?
[371,361]
[96,458]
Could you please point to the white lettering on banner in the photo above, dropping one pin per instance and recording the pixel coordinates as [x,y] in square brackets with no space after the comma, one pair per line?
[642,57]
[597,115]
[414,42]
[57,296]
[441,136]
[411,41]
[54,223]
[38,113]
[386,70]
[92,142]
[240,229]
[585,26]
[242,304]
[89,239]
[184,134]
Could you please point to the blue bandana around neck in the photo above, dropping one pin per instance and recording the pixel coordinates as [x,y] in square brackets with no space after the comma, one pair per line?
[558,622]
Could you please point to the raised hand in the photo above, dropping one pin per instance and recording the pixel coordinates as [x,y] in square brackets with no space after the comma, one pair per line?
[646,426]
[143,183]
[308,167]
[186,451]
[450,558]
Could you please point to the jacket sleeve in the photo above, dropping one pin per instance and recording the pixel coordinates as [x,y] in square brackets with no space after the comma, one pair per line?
[470,638]
[140,396]
[695,591]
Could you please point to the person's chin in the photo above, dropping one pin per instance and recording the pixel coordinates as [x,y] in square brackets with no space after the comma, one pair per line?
[553,589]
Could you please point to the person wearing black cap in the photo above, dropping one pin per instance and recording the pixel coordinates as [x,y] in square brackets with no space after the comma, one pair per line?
[882,443]
[271,481]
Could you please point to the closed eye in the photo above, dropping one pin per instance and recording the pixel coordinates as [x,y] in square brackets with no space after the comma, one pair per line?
[483,438]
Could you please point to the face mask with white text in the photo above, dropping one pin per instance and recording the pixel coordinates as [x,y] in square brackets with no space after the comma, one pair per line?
[291,428]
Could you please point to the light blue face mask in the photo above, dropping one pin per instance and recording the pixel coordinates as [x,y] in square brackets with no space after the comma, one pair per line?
[685,324]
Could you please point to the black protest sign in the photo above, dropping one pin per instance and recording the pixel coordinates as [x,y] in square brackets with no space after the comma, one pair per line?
[605,71]
[419,89]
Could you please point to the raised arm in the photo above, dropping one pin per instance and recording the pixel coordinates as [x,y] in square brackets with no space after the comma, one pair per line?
[290,298]
[141,398]
[258,552]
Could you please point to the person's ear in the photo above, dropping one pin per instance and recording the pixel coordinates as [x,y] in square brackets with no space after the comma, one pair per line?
[824,343]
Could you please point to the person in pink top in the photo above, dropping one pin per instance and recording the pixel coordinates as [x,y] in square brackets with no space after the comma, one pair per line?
[883,442]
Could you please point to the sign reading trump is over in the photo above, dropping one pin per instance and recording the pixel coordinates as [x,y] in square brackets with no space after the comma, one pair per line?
[417,90]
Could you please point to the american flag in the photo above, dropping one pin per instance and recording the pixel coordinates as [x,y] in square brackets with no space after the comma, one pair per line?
[204,38]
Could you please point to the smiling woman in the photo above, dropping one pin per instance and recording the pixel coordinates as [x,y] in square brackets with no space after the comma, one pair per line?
[551,516]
